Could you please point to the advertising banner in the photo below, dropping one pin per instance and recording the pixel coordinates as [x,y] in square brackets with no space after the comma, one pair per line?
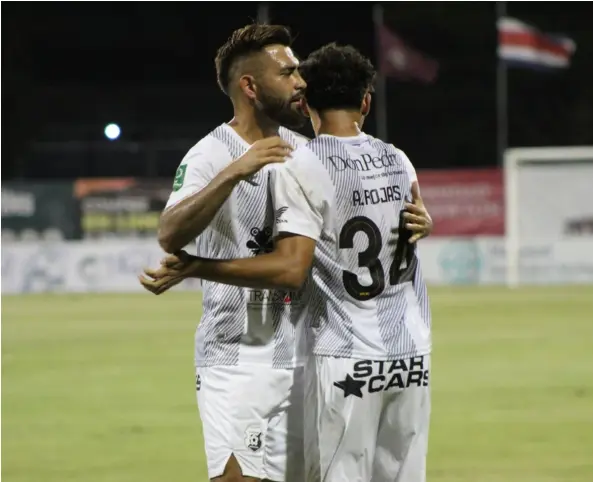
[482,260]
[113,266]
[464,202]
[39,211]
[80,266]
[121,208]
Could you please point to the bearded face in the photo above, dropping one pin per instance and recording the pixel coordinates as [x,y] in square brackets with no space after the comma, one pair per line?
[280,89]
[286,110]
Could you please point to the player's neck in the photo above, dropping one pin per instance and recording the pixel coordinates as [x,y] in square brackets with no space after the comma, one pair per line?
[252,127]
[340,123]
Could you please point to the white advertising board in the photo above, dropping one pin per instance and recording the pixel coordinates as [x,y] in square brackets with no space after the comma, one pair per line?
[113,266]
[79,266]
[483,261]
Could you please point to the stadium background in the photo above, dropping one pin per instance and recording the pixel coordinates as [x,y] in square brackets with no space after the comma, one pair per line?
[97,379]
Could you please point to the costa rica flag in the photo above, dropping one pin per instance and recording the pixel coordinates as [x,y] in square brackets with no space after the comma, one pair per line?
[523,45]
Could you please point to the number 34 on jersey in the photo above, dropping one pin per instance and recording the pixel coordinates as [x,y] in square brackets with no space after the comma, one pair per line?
[404,254]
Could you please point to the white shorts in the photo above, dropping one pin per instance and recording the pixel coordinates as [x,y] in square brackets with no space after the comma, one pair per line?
[366,420]
[255,413]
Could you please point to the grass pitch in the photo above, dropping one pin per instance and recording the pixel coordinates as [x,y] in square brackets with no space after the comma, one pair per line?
[100,388]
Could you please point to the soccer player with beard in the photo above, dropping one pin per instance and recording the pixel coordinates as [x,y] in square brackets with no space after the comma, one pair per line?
[248,355]
[337,200]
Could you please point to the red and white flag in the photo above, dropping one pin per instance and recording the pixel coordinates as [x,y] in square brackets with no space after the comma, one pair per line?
[522,45]
[400,61]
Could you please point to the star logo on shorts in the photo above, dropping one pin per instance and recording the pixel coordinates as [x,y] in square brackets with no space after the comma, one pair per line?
[351,386]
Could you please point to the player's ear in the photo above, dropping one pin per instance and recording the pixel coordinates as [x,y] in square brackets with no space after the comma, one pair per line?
[366,104]
[247,86]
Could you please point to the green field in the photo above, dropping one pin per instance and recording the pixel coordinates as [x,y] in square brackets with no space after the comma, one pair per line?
[101,387]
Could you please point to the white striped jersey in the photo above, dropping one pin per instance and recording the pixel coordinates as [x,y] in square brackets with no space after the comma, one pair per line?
[239,325]
[369,300]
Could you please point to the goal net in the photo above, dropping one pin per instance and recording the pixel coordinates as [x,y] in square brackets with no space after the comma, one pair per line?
[549,215]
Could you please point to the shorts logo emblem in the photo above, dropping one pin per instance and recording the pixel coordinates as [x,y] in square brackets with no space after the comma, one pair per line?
[253,439]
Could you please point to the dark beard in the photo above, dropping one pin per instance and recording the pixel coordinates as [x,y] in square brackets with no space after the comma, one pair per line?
[281,112]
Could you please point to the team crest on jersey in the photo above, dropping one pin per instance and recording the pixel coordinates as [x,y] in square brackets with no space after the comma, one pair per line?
[262,241]
[370,376]
[253,438]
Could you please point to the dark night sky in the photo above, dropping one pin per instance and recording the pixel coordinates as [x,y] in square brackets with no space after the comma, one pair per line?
[69,67]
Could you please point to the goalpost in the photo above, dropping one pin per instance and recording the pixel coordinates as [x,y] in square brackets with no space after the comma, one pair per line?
[548,202]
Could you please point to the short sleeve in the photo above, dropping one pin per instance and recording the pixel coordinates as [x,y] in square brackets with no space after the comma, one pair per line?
[409,167]
[197,169]
[301,201]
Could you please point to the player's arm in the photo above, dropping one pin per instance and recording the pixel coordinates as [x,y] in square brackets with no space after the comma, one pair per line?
[298,225]
[418,220]
[197,197]
[200,200]
[287,267]
[299,221]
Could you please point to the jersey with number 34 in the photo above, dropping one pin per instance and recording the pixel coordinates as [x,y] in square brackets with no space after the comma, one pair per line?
[369,299]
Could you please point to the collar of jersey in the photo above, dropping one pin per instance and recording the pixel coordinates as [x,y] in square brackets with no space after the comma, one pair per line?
[362,137]
[237,136]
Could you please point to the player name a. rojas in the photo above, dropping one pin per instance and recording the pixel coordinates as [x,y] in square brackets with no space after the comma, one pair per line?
[386,194]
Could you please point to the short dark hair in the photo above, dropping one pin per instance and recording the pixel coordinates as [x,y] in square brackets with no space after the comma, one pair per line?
[337,77]
[244,42]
